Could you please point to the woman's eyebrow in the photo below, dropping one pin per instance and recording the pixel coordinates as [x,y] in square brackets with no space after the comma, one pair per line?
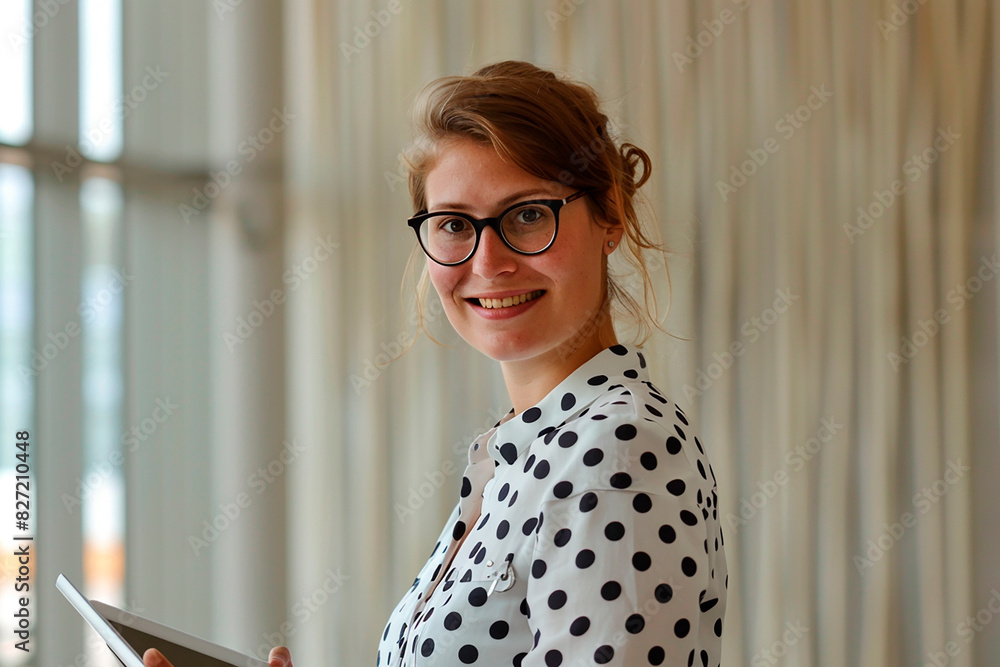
[458,206]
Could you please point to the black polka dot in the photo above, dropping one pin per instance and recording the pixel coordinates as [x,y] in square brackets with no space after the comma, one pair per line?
[680,415]
[667,534]
[557,599]
[518,658]
[427,647]
[614,531]
[593,457]
[588,501]
[567,439]
[502,529]
[676,487]
[553,658]
[579,626]
[585,559]
[562,537]
[548,432]
[538,568]
[468,654]
[673,445]
[701,469]
[641,561]
[466,489]
[530,461]
[625,432]
[680,432]
[682,627]
[504,490]
[604,654]
[529,525]
[631,373]
[621,480]
[663,593]
[642,503]
[531,415]
[653,410]
[635,623]
[620,350]
[718,627]
[597,379]
[477,597]
[611,590]
[562,489]
[509,452]
[458,531]
[689,518]
[568,401]
[513,498]
[648,460]
[499,630]
[688,566]
[453,621]
[541,470]
[656,655]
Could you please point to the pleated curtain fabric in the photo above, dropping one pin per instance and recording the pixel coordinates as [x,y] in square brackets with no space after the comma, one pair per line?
[818,175]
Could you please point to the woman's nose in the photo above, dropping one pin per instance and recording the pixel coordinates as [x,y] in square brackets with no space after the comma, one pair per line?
[492,256]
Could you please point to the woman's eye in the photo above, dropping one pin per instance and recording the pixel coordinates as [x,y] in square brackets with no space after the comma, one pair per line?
[529,215]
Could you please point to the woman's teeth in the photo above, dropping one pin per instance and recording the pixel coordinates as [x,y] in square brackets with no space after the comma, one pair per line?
[508,301]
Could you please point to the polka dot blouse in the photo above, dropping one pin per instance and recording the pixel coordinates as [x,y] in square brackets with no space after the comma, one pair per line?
[586,533]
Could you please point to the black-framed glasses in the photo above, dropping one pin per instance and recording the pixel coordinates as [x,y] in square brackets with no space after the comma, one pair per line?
[528,227]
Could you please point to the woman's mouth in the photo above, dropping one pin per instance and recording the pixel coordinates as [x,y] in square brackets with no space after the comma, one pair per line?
[507,301]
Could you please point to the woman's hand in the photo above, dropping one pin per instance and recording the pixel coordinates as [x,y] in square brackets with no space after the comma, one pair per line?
[278,657]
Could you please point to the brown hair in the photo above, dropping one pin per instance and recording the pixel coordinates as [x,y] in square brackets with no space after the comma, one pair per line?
[551,128]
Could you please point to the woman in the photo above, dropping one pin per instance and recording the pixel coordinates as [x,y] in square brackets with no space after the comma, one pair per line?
[587,527]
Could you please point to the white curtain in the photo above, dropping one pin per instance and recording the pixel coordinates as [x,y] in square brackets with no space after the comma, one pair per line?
[843,367]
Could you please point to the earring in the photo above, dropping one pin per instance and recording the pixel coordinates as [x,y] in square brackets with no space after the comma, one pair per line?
[611,244]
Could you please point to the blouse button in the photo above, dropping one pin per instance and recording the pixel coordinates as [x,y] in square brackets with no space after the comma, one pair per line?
[489,563]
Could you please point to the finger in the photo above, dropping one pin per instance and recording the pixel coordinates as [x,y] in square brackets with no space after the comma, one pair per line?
[153,658]
[279,657]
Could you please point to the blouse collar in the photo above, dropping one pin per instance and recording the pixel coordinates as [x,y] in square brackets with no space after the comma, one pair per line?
[601,373]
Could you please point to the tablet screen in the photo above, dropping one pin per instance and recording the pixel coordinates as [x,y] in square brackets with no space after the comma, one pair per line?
[179,656]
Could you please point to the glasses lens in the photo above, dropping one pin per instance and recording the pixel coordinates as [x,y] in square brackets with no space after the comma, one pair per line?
[447,238]
[529,228]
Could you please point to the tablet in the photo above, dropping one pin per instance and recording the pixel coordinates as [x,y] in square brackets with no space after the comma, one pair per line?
[128,636]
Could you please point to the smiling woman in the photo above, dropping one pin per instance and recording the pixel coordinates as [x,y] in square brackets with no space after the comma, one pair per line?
[591,505]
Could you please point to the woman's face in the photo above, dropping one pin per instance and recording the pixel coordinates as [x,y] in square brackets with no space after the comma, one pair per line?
[471,178]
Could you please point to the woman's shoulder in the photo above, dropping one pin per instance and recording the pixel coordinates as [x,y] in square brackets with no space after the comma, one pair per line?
[633,437]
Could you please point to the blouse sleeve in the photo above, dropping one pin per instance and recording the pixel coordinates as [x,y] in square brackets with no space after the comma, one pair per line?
[627,575]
